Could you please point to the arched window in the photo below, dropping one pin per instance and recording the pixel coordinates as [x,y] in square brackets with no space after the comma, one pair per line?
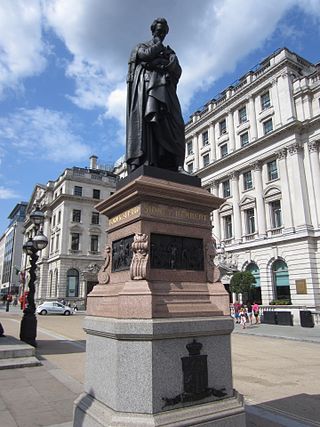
[280,277]
[255,294]
[72,283]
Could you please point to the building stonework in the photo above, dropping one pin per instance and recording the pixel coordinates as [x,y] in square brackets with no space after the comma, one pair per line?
[68,266]
[257,146]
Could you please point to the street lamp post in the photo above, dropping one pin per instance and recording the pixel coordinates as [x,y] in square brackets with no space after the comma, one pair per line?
[28,327]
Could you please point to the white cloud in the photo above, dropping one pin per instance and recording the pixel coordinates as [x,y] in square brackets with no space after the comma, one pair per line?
[48,134]
[7,193]
[210,37]
[21,46]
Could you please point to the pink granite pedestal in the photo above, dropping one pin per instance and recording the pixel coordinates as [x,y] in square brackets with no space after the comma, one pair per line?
[142,316]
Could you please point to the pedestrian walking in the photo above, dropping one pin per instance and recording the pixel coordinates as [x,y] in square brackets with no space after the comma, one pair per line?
[236,308]
[243,317]
[255,309]
[249,312]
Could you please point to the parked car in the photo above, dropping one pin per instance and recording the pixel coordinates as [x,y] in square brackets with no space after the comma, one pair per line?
[54,307]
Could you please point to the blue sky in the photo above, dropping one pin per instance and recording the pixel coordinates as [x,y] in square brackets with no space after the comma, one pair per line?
[63,67]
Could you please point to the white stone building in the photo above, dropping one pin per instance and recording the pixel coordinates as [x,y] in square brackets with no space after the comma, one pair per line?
[68,266]
[11,250]
[257,146]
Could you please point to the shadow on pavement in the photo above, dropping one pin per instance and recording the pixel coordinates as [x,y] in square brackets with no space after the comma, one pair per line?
[45,347]
[300,410]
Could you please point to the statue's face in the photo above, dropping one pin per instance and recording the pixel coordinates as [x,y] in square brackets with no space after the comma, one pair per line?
[160,31]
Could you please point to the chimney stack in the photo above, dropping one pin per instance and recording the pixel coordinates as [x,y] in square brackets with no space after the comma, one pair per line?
[93,162]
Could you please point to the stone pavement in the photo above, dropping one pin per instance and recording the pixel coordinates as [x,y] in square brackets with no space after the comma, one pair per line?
[44,395]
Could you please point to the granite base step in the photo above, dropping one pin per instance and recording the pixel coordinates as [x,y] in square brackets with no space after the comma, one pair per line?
[19,362]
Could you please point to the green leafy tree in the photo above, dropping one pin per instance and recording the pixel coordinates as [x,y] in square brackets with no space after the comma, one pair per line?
[242,282]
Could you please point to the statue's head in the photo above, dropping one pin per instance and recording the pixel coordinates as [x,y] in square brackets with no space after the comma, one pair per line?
[160,28]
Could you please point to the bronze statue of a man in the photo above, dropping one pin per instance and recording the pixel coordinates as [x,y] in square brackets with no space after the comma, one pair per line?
[155,127]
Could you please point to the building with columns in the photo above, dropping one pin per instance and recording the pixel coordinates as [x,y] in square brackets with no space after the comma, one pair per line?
[68,266]
[257,146]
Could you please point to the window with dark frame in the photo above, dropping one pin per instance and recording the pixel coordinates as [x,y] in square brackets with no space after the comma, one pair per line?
[247,180]
[77,191]
[96,194]
[76,215]
[276,217]
[59,217]
[267,126]
[265,100]
[190,167]
[95,218]
[226,188]
[244,139]
[272,170]
[228,226]
[94,244]
[250,222]
[223,127]
[75,241]
[205,138]
[189,148]
[206,160]
[224,150]
[242,115]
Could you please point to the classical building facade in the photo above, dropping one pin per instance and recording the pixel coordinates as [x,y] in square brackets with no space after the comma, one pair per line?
[11,250]
[68,266]
[257,146]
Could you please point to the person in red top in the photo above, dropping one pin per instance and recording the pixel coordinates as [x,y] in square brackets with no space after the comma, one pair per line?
[237,307]
[255,309]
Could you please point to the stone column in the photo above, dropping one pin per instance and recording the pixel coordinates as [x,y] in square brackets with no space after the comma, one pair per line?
[285,191]
[195,144]
[212,140]
[253,119]
[236,207]
[286,98]
[261,214]
[298,187]
[231,131]
[216,216]
[276,104]
[315,171]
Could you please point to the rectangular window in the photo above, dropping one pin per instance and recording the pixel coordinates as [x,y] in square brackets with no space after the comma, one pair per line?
[77,191]
[53,221]
[57,242]
[95,218]
[267,126]
[75,241]
[272,170]
[276,220]
[224,150]
[206,160]
[205,138]
[226,188]
[228,227]
[244,139]
[251,228]
[189,148]
[59,217]
[247,180]
[76,215]
[265,100]
[242,115]
[94,243]
[223,127]
[96,194]
[190,167]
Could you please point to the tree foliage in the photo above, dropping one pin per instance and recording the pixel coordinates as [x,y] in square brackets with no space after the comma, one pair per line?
[242,281]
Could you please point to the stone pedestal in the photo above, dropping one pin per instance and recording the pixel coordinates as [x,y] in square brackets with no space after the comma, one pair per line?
[158,325]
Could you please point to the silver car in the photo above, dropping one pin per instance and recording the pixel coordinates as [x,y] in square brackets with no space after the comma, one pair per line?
[54,307]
